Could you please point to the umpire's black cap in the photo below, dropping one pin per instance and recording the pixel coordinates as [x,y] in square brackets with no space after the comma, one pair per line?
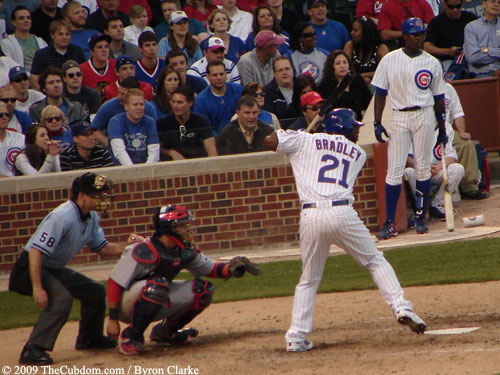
[89,183]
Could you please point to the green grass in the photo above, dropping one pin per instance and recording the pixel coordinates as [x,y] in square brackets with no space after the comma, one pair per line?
[454,262]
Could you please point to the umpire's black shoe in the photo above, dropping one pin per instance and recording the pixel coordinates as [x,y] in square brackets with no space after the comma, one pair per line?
[34,355]
[102,342]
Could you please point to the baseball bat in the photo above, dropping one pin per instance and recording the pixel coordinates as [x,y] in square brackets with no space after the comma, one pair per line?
[330,102]
[448,204]
[411,195]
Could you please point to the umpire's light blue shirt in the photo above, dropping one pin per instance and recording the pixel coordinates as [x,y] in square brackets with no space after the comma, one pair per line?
[482,33]
[64,232]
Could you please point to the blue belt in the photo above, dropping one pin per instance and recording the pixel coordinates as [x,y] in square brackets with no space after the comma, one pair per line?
[343,202]
[409,109]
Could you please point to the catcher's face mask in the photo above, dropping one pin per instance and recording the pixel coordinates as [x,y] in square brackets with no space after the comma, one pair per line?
[186,230]
[101,193]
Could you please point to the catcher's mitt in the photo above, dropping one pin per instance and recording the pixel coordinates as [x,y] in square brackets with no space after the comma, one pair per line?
[238,266]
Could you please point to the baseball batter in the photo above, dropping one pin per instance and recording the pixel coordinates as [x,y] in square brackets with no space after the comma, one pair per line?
[325,167]
[413,80]
[141,287]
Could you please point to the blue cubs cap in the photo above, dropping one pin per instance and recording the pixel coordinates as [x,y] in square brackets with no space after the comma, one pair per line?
[81,128]
[17,72]
[413,25]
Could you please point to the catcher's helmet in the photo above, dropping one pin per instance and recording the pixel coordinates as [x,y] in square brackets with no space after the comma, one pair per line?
[412,26]
[341,121]
[167,218]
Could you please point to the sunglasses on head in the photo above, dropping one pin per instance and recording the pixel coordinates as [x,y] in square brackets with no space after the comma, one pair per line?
[53,118]
[309,35]
[182,131]
[21,79]
[6,100]
[73,75]
[257,94]
[4,114]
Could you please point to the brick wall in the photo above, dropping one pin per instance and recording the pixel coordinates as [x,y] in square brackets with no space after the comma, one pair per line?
[239,201]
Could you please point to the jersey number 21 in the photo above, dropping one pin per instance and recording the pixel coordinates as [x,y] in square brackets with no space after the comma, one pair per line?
[323,170]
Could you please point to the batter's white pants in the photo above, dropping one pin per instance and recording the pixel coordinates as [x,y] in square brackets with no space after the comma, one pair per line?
[455,173]
[180,295]
[319,228]
[413,127]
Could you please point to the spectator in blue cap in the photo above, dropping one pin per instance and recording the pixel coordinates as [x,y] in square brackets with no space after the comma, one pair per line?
[19,80]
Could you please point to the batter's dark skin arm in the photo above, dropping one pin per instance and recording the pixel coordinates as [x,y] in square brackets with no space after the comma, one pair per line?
[379,107]
[439,106]
[271,141]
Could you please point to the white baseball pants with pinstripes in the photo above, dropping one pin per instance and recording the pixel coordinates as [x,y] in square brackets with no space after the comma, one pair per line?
[417,128]
[319,228]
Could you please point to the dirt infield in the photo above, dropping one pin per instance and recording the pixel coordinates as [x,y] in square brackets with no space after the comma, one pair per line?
[354,333]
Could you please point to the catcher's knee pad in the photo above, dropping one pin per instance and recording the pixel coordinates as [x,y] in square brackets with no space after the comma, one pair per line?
[153,297]
[156,290]
[203,292]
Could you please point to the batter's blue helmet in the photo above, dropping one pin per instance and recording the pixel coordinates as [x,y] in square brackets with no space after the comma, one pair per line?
[412,26]
[341,121]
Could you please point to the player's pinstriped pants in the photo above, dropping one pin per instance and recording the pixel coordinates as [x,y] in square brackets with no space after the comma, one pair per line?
[417,127]
[319,228]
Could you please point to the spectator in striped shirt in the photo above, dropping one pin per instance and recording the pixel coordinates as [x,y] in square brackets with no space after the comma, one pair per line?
[215,52]
[84,153]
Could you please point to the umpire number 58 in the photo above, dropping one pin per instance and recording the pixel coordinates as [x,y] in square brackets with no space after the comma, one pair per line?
[49,240]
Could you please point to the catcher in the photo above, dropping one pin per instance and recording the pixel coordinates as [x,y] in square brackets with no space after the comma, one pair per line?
[141,287]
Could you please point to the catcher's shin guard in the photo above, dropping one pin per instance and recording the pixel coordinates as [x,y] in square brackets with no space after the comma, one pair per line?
[153,297]
[170,331]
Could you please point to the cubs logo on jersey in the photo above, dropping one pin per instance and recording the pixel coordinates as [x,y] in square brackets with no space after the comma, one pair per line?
[12,154]
[438,151]
[423,79]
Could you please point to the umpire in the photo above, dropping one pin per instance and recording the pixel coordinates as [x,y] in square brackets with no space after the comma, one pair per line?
[41,270]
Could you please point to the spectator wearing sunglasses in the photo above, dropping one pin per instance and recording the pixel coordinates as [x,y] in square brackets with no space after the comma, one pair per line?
[305,56]
[51,84]
[75,91]
[22,45]
[256,90]
[445,33]
[19,80]
[311,103]
[184,134]
[133,136]
[53,118]
[18,120]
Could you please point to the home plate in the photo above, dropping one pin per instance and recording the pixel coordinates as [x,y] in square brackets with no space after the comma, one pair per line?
[451,331]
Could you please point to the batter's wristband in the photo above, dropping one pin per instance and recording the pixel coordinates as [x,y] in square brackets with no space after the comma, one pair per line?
[441,116]
[114,314]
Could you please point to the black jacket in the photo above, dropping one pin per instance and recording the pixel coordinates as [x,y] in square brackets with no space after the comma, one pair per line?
[231,139]
[275,101]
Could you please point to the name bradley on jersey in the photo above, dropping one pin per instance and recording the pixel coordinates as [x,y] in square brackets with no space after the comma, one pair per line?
[346,149]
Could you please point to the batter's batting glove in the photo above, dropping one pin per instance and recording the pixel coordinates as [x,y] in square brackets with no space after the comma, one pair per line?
[379,130]
[442,137]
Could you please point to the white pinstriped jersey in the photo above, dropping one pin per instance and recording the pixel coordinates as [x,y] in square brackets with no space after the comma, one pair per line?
[199,69]
[454,108]
[325,166]
[411,81]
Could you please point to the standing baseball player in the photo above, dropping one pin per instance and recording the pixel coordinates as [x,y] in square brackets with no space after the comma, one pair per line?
[413,80]
[325,167]
[41,270]
[141,287]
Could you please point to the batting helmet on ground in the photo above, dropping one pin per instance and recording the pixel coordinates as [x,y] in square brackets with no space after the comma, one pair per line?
[412,26]
[341,121]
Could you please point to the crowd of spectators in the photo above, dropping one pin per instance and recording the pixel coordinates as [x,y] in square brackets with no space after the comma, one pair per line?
[97,83]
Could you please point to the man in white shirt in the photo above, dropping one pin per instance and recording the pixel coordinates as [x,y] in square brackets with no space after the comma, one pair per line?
[18,77]
[11,144]
[22,45]
[215,52]
[241,24]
